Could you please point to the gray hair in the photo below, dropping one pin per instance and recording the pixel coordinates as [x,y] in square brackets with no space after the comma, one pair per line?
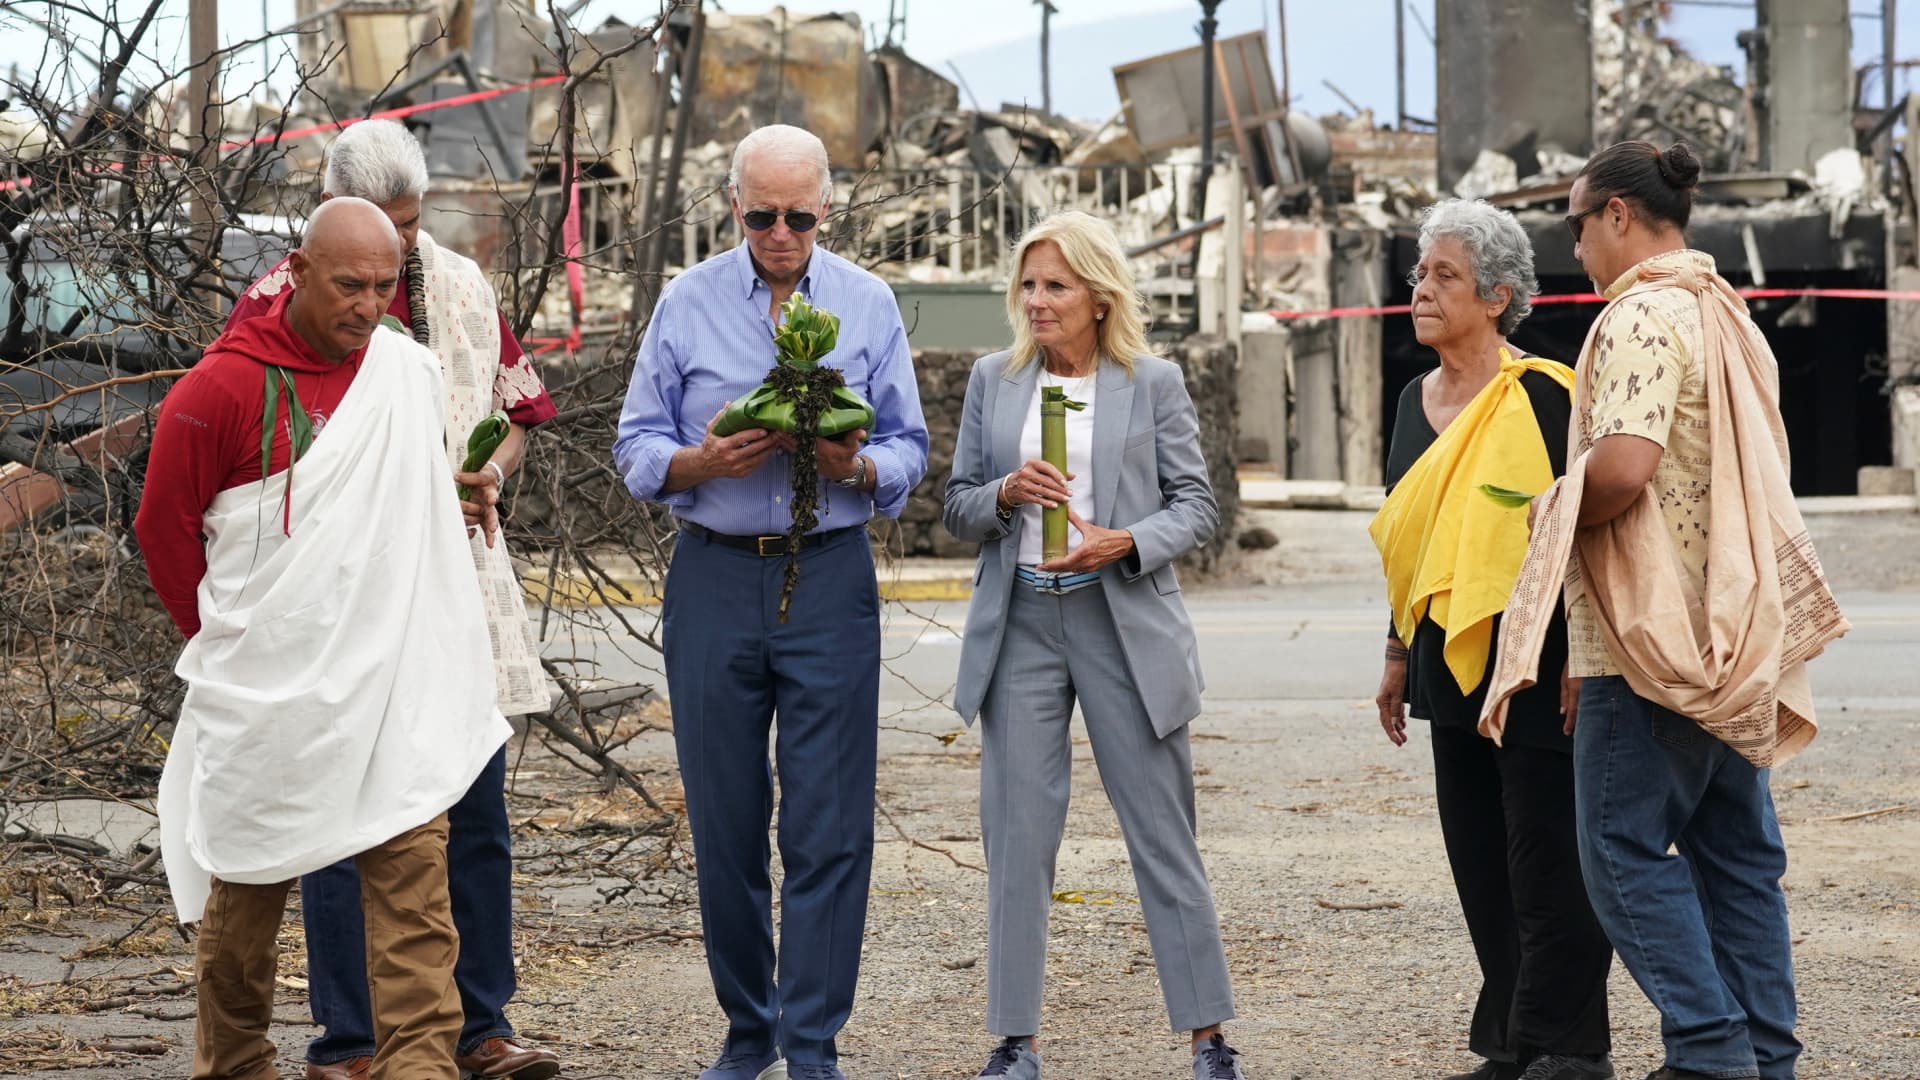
[1497,247]
[788,143]
[376,160]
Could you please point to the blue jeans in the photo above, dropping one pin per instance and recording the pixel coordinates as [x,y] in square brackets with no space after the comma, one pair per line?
[480,883]
[1704,932]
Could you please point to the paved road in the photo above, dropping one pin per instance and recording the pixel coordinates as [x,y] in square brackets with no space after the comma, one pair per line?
[1301,800]
[1320,643]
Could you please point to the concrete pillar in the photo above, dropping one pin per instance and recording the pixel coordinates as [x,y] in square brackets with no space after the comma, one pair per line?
[1316,405]
[1217,305]
[1903,328]
[1906,427]
[1359,281]
[1264,360]
[1807,100]
[1514,75]
[1234,258]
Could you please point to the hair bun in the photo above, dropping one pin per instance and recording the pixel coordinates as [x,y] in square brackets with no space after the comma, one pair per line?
[1679,168]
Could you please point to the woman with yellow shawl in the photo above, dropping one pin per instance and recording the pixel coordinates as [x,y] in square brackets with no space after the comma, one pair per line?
[1471,440]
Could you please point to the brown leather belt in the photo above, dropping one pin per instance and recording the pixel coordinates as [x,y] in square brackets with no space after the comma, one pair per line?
[767,547]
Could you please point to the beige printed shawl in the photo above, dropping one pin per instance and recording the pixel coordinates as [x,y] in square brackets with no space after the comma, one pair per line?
[1734,660]
[463,330]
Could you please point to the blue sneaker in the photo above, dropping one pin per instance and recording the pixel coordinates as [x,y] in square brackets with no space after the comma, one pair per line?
[814,1072]
[1217,1061]
[1014,1059]
[768,1065]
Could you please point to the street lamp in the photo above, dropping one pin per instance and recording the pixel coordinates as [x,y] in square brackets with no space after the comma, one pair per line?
[1208,25]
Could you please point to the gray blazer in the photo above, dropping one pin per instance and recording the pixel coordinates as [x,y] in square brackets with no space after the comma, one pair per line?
[1148,477]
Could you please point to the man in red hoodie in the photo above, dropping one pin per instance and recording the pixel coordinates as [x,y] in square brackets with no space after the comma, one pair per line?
[445,302]
[340,694]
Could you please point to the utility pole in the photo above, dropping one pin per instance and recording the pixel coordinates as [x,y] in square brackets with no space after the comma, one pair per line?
[1286,101]
[1888,18]
[1046,55]
[897,23]
[669,208]
[203,120]
[1400,64]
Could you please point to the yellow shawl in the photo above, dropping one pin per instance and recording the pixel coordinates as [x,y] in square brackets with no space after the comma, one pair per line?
[1450,551]
[1733,660]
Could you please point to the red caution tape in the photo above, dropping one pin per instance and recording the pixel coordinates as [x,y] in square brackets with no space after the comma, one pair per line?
[1596,298]
[336,125]
[399,113]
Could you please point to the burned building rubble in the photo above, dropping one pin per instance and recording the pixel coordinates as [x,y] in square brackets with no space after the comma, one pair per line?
[1808,189]
[1797,198]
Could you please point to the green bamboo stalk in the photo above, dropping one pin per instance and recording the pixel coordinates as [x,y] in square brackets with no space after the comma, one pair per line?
[1053,450]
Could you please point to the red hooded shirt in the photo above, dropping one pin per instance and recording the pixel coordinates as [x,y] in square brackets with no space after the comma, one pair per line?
[207,440]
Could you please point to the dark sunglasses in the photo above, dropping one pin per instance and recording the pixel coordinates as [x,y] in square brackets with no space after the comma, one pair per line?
[797,220]
[1577,223]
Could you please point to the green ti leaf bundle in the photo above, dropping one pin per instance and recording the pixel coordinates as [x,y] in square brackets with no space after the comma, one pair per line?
[805,334]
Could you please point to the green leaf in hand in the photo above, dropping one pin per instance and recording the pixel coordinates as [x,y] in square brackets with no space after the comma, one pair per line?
[486,437]
[805,334]
[1505,496]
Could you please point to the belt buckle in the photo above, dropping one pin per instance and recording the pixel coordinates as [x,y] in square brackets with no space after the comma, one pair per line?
[1047,581]
[761,543]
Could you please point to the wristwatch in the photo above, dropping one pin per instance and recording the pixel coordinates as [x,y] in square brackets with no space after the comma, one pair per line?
[859,474]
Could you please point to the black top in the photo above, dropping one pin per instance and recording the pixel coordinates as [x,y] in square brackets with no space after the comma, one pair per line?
[1533,716]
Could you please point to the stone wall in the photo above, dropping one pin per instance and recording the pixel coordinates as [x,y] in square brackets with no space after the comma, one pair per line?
[1211,379]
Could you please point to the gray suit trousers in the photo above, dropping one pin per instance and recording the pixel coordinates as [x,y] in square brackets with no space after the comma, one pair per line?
[1057,649]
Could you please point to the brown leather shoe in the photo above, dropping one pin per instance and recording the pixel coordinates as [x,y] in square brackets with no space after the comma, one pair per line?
[498,1057]
[350,1069]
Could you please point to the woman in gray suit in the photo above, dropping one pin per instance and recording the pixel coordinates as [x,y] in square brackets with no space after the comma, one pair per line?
[1104,626]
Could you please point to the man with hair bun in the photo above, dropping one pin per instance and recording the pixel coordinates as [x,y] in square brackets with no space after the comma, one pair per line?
[1694,599]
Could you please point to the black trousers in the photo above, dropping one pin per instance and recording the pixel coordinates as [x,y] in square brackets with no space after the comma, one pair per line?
[1507,816]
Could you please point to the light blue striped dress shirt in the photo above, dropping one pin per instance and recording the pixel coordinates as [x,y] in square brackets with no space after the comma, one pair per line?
[711,341]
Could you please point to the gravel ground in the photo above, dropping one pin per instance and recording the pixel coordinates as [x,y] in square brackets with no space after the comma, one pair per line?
[1302,805]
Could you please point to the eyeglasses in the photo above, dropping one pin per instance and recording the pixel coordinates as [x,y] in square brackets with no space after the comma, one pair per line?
[1576,223]
[797,220]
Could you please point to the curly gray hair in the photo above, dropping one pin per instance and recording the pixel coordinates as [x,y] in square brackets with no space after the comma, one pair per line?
[376,160]
[1497,247]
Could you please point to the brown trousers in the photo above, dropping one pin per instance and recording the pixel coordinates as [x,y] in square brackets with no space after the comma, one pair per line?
[411,946]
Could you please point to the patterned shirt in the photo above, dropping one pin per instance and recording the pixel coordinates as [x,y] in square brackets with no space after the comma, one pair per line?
[1646,381]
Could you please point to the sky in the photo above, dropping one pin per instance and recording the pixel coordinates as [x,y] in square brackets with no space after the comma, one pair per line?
[994,43]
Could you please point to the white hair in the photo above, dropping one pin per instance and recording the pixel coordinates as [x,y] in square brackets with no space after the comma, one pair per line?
[1497,247]
[376,160]
[788,144]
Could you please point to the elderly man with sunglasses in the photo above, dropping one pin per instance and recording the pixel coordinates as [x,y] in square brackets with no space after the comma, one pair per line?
[733,662]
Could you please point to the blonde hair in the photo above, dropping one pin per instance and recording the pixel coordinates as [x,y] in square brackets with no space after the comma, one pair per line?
[1092,250]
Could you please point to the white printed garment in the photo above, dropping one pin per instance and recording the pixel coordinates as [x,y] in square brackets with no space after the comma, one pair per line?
[463,330]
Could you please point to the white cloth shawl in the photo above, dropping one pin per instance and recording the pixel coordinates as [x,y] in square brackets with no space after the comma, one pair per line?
[340,690]
[463,330]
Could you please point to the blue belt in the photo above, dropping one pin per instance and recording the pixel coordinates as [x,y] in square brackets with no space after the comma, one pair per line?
[1055,584]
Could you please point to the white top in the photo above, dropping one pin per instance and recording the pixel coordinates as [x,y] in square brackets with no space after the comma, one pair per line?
[1079,459]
